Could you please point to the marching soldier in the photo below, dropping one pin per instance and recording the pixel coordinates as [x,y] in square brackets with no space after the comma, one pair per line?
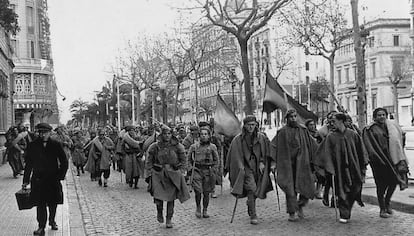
[203,158]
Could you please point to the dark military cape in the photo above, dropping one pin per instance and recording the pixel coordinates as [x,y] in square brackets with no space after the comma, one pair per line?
[238,155]
[343,155]
[304,183]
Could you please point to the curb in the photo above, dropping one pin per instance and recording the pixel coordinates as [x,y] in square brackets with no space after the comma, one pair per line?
[398,206]
[76,225]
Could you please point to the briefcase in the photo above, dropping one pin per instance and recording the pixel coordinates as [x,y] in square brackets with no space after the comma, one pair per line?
[23,199]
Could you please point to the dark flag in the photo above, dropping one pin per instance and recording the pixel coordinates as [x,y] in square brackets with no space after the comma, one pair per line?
[276,98]
[225,121]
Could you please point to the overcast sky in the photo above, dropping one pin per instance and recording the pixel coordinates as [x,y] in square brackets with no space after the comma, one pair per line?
[86,36]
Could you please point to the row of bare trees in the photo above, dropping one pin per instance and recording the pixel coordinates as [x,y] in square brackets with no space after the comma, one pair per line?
[317,26]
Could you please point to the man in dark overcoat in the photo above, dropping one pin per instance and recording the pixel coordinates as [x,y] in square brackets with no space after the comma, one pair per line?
[248,164]
[46,166]
[293,151]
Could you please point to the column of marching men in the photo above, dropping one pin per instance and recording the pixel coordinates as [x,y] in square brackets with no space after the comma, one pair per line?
[175,162]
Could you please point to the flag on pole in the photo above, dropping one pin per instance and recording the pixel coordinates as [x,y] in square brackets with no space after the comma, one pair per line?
[225,121]
[276,98]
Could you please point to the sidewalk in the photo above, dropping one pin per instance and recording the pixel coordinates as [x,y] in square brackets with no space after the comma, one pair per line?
[401,200]
[15,222]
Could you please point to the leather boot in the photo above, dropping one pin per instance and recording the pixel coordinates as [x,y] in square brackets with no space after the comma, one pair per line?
[39,231]
[170,212]
[198,211]
[160,217]
[251,209]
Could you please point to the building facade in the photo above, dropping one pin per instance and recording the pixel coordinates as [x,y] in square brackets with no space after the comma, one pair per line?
[217,71]
[6,75]
[34,81]
[388,42]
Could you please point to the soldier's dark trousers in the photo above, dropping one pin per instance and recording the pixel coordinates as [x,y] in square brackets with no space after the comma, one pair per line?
[386,184]
[251,204]
[42,214]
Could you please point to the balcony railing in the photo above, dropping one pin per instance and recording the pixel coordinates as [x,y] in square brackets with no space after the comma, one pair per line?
[45,98]
[34,62]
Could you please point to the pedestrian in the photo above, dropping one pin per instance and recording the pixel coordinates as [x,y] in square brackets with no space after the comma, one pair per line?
[99,160]
[78,156]
[342,154]
[46,166]
[203,162]
[191,138]
[294,151]
[133,163]
[384,142]
[64,139]
[165,169]
[15,149]
[248,166]
[216,141]
[323,132]
[86,150]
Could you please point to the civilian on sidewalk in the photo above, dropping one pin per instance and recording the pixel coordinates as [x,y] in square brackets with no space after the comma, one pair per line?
[46,166]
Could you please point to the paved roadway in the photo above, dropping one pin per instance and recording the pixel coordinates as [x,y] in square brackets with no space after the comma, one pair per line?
[120,210]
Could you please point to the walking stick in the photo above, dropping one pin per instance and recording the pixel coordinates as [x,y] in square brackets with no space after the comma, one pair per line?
[277,191]
[334,195]
[192,172]
[221,169]
[234,209]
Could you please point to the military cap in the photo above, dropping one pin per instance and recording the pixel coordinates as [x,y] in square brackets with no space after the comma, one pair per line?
[249,118]
[43,127]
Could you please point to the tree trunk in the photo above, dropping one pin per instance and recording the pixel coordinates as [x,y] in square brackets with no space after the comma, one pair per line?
[176,103]
[332,83]
[196,97]
[395,93]
[360,82]
[246,76]
[138,107]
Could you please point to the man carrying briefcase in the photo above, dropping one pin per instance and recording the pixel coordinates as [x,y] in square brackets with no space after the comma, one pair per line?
[46,159]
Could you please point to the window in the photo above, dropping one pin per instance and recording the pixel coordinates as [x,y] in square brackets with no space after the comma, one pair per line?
[30,19]
[373,70]
[371,41]
[14,47]
[339,76]
[3,103]
[396,40]
[307,66]
[347,74]
[307,80]
[374,100]
[355,72]
[30,49]
[348,103]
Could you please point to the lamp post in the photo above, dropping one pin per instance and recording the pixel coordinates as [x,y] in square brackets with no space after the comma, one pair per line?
[132,104]
[118,105]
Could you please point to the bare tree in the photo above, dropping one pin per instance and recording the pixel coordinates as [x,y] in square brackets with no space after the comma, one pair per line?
[360,63]
[318,26]
[401,70]
[241,19]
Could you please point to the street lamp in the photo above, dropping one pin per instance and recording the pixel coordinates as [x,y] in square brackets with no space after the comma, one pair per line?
[233,81]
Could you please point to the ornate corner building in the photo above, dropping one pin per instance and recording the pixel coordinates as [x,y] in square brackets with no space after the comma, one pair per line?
[34,87]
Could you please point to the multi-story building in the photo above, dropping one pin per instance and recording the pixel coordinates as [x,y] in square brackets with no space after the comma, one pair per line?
[34,81]
[388,41]
[6,75]
[217,71]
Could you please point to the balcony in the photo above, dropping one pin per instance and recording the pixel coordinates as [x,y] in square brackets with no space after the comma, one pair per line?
[33,64]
